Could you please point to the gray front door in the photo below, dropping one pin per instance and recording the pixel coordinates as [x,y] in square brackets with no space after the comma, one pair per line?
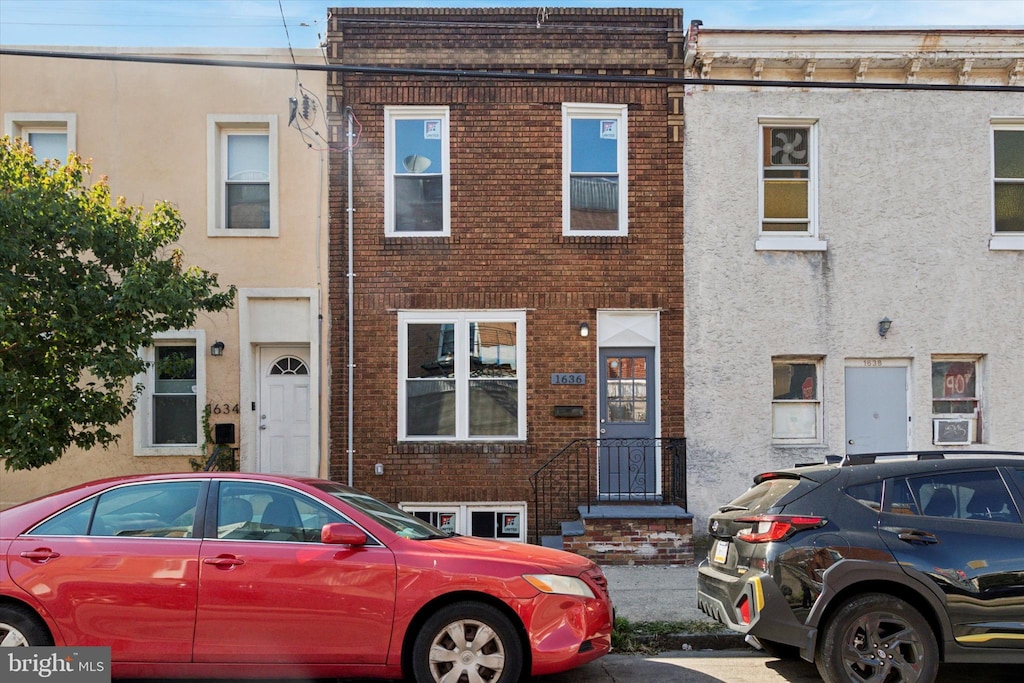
[628,458]
[877,420]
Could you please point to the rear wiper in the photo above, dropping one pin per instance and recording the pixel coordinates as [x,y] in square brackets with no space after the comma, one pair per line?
[732,508]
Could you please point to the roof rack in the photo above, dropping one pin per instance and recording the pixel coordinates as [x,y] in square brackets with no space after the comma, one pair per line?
[870,458]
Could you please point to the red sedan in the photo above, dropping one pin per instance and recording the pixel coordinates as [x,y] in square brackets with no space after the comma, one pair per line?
[251,575]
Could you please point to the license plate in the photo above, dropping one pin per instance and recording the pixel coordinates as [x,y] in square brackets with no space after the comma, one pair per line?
[721,552]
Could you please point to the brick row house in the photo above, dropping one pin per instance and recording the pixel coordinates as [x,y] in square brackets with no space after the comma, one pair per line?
[516,280]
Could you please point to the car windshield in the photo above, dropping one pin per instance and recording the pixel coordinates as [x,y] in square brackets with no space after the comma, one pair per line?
[398,521]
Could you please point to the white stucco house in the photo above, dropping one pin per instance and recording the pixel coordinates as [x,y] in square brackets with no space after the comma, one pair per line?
[854,247]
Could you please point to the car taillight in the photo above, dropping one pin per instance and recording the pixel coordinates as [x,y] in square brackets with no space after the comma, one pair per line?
[767,528]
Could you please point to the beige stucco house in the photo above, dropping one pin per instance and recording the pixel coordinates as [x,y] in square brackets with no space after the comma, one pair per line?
[854,247]
[242,153]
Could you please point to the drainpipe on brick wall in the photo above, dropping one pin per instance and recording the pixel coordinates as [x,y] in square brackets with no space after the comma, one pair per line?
[351,276]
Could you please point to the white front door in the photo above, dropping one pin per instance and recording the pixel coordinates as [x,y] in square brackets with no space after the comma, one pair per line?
[877,412]
[285,443]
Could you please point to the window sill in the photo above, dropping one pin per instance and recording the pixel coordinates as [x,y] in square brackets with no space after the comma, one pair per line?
[1006,243]
[183,450]
[242,232]
[790,244]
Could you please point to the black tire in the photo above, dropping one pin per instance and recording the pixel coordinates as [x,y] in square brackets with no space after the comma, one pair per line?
[489,645]
[20,627]
[880,638]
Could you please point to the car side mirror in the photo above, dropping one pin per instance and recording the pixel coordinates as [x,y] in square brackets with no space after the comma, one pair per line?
[339,533]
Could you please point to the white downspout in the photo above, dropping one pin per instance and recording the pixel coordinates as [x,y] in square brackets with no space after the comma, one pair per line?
[351,326]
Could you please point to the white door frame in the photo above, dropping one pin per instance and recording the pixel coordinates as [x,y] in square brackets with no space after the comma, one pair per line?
[278,317]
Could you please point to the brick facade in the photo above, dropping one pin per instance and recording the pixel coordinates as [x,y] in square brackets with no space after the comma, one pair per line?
[506,249]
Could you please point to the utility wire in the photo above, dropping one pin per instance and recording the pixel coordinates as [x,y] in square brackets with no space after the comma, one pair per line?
[514,75]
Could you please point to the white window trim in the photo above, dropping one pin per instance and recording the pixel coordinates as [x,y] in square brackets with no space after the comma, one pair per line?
[459,318]
[790,241]
[217,125]
[18,124]
[1003,241]
[619,112]
[819,415]
[142,419]
[392,114]
[463,513]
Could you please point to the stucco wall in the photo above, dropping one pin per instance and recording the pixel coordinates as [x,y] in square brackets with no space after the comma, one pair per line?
[905,205]
[145,127]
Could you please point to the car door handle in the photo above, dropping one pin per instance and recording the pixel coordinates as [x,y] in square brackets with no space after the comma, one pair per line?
[40,555]
[223,562]
[915,536]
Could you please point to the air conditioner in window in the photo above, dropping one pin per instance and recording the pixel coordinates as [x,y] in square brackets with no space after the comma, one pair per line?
[953,432]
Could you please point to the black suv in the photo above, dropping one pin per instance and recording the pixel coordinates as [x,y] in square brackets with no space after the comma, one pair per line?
[876,567]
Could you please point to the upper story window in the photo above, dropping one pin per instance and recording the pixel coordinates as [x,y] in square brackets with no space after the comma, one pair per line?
[51,136]
[796,401]
[417,186]
[1008,185]
[956,400]
[168,414]
[243,188]
[461,375]
[594,173]
[788,185]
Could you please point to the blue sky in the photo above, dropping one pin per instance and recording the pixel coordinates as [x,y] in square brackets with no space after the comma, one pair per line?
[258,23]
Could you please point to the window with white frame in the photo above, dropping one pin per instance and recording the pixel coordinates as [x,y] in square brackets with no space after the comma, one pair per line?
[51,136]
[168,415]
[461,375]
[506,521]
[417,189]
[243,183]
[956,400]
[788,186]
[594,172]
[796,401]
[1008,183]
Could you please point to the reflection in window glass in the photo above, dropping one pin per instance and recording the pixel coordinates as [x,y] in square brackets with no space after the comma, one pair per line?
[174,396]
[462,378]
[626,387]
[163,509]
[419,175]
[594,180]
[796,404]
[248,181]
[1009,180]
[259,512]
[49,145]
[975,495]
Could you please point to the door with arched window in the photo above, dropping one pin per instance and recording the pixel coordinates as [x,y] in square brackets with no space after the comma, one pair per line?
[285,430]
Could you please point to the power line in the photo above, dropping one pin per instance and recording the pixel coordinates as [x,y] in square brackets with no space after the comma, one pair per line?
[459,74]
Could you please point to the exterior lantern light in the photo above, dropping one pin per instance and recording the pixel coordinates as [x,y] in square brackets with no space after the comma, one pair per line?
[883,327]
[217,348]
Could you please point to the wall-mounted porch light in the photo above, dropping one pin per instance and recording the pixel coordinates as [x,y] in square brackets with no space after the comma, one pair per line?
[584,330]
[217,348]
[883,327]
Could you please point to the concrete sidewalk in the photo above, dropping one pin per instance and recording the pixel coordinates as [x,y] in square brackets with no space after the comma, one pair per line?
[654,593]
[665,593]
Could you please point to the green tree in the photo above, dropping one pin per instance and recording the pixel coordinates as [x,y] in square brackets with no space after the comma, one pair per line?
[84,284]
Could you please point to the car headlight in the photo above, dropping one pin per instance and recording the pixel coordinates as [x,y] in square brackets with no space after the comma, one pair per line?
[562,585]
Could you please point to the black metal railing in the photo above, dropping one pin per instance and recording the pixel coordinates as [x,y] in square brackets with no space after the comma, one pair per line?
[591,471]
